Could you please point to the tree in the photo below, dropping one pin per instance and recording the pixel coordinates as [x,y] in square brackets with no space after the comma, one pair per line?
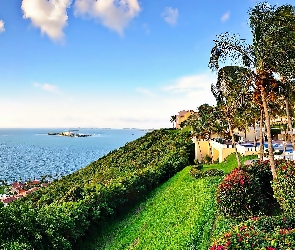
[205,123]
[173,119]
[287,88]
[272,53]
[231,94]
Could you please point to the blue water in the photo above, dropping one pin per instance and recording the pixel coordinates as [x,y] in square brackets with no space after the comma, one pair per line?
[276,146]
[31,153]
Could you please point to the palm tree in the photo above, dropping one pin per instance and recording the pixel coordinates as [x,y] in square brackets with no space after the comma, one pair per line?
[272,52]
[231,94]
[288,95]
[205,122]
[173,119]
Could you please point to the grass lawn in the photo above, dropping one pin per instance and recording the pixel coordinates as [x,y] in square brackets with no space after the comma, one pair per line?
[178,215]
[230,163]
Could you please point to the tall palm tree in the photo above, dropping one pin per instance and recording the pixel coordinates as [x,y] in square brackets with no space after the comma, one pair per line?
[287,88]
[173,120]
[230,92]
[272,52]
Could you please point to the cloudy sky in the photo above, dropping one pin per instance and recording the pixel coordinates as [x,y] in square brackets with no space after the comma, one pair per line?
[109,63]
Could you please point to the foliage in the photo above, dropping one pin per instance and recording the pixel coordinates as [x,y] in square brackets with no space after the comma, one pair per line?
[207,159]
[177,215]
[206,122]
[197,173]
[284,185]
[261,171]
[264,232]
[271,54]
[56,216]
[229,163]
[239,194]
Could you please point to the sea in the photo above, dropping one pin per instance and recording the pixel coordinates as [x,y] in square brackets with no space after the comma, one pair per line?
[27,154]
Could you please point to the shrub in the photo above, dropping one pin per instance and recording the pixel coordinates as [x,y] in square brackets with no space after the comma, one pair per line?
[213,172]
[265,232]
[284,185]
[195,172]
[261,171]
[239,194]
[207,159]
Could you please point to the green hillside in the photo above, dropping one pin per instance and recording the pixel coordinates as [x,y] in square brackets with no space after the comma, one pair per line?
[56,216]
[178,215]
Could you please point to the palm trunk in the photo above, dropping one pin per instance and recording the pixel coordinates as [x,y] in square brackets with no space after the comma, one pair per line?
[290,123]
[268,132]
[261,136]
[285,143]
[255,138]
[233,142]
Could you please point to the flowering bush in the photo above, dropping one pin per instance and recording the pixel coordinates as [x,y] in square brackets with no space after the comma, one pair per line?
[261,171]
[239,194]
[269,233]
[284,185]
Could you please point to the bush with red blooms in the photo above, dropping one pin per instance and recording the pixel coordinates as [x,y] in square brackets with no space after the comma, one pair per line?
[269,233]
[240,194]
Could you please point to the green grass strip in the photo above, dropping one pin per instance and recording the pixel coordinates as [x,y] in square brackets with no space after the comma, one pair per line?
[178,215]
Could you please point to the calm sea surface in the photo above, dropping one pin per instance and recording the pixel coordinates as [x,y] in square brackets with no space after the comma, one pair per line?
[31,153]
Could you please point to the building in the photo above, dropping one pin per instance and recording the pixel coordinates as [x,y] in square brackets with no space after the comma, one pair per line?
[182,116]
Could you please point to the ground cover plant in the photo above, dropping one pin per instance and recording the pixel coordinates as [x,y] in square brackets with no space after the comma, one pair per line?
[274,231]
[56,216]
[177,215]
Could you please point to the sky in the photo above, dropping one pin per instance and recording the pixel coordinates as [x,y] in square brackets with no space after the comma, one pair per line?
[110,63]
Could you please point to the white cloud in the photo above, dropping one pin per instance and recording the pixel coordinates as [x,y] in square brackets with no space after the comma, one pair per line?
[145,92]
[191,83]
[49,15]
[189,92]
[114,14]
[47,87]
[170,15]
[148,108]
[225,16]
[2,29]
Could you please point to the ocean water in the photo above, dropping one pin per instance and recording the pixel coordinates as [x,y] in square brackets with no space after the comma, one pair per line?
[32,153]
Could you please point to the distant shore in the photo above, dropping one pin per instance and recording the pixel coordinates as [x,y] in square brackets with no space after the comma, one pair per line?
[69,134]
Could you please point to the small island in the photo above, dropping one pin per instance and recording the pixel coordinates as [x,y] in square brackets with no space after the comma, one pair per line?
[69,134]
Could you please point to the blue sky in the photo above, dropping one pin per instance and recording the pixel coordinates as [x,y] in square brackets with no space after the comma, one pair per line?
[109,63]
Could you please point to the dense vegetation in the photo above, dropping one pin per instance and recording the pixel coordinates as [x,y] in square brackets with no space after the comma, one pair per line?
[275,226]
[56,216]
[177,215]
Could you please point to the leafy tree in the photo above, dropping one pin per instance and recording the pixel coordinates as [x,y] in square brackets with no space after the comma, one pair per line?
[206,122]
[231,94]
[271,53]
